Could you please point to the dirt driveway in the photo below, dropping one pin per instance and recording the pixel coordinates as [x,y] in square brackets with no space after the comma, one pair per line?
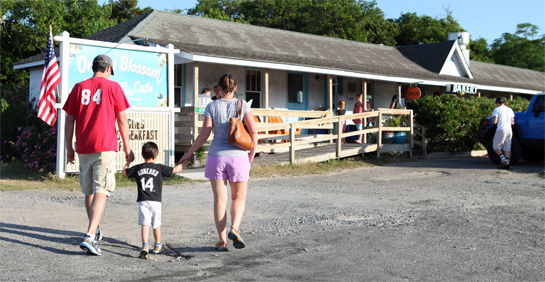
[433,220]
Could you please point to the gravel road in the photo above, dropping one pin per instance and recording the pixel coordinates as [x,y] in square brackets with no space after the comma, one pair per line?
[432,220]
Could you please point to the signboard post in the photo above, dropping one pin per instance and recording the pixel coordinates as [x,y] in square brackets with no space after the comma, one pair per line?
[146,77]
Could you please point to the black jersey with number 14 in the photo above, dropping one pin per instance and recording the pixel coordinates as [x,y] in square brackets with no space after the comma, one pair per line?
[149,178]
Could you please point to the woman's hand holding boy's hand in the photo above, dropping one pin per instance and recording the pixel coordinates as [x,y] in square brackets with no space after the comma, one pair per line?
[185,158]
[183,162]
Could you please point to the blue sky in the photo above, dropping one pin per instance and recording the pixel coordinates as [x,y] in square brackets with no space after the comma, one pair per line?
[488,19]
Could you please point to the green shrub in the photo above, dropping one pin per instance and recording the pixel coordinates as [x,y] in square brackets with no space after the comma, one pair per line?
[25,137]
[452,122]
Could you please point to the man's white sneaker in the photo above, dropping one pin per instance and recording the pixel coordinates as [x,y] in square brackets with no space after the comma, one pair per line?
[90,246]
[98,235]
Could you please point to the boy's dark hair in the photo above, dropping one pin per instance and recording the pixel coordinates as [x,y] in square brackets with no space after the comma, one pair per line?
[149,150]
[205,90]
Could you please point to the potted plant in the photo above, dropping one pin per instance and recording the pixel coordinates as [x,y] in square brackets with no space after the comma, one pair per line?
[398,137]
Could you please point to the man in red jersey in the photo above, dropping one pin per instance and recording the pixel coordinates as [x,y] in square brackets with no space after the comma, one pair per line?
[93,107]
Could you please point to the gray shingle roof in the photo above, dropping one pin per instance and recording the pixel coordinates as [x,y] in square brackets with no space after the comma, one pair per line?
[430,56]
[223,39]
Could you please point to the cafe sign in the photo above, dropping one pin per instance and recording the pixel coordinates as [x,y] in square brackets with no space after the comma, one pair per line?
[462,88]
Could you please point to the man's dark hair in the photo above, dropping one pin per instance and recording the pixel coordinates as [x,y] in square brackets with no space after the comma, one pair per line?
[149,150]
[100,66]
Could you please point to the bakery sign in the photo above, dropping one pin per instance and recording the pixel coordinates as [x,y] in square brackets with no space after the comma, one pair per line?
[462,88]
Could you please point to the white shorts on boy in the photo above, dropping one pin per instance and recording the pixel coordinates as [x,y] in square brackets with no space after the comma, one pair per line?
[149,213]
[502,140]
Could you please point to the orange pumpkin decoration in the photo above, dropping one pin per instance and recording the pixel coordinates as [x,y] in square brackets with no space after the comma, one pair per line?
[413,93]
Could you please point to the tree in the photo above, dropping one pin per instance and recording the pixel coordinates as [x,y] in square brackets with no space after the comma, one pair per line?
[227,10]
[347,19]
[123,10]
[414,30]
[479,51]
[25,27]
[524,49]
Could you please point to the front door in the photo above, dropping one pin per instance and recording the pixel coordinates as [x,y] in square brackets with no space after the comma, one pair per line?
[297,91]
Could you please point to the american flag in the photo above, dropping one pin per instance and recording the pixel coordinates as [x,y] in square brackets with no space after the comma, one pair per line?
[50,78]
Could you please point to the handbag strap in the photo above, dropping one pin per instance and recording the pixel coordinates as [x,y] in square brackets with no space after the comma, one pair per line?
[239,108]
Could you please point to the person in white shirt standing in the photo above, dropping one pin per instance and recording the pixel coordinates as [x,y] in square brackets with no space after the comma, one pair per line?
[204,97]
[504,118]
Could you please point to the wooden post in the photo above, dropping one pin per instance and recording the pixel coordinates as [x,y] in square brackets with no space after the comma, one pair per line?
[195,99]
[330,91]
[196,84]
[364,121]
[399,95]
[292,144]
[266,98]
[364,91]
[339,137]
[411,140]
[379,133]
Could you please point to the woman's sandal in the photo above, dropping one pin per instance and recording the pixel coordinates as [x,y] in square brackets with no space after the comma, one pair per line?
[221,246]
[238,243]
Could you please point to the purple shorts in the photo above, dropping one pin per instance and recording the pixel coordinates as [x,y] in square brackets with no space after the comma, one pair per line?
[236,169]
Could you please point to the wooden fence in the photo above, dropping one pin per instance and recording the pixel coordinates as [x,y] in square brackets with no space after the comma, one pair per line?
[311,129]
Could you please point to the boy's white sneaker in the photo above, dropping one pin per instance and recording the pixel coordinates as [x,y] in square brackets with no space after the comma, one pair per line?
[158,248]
[145,251]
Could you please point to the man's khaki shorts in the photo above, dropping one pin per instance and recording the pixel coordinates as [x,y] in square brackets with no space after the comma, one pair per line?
[97,173]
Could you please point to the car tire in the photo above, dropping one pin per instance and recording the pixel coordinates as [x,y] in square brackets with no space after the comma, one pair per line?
[516,149]
[491,153]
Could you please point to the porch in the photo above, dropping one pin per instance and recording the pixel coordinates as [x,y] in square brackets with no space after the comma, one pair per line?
[312,136]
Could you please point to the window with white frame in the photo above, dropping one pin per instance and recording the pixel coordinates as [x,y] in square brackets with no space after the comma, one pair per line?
[253,87]
[178,85]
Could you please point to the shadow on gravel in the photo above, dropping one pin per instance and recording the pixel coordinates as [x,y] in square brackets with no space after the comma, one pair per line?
[30,234]
[482,163]
[47,235]
[187,252]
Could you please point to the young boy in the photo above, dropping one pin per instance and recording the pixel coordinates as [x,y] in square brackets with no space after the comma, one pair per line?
[149,178]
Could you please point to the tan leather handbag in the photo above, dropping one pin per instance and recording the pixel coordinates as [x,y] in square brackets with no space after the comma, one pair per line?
[238,135]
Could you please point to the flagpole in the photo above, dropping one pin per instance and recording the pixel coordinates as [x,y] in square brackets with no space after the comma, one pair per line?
[61,121]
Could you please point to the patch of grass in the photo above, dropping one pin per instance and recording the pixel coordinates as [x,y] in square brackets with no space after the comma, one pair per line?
[289,170]
[13,177]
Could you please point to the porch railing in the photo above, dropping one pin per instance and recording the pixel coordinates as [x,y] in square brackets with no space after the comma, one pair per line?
[309,129]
